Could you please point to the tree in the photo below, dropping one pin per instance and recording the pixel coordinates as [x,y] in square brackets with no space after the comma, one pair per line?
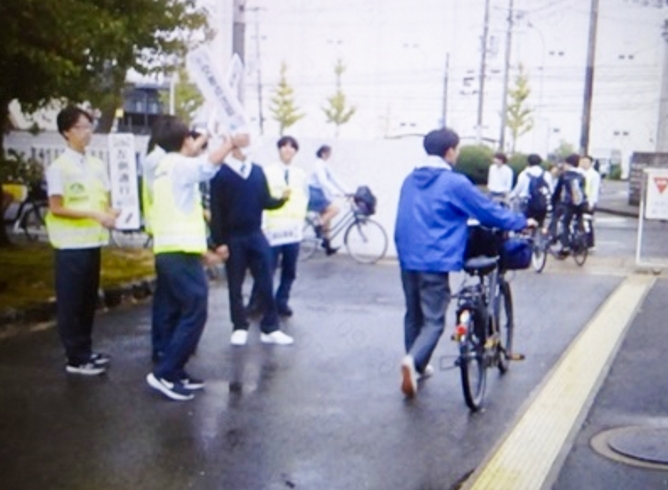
[282,106]
[337,112]
[187,97]
[519,120]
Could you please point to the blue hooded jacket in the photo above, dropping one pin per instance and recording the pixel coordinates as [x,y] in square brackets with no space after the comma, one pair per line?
[434,207]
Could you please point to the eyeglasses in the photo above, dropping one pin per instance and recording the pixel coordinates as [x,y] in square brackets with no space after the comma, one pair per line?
[83,127]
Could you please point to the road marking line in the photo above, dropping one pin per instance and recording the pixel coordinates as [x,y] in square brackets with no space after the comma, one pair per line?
[526,456]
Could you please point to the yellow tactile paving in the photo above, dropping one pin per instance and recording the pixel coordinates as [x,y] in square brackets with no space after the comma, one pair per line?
[524,459]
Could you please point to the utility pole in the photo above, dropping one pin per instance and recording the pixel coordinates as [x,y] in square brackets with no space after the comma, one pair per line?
[589,79]
[445,89]
[506,74]
[481,84]
[239,35]
[260,112]
[662,131]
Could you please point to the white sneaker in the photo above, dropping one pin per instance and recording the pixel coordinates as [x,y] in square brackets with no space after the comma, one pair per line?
[276,337]
[408,377]
[427,373]
[239,337]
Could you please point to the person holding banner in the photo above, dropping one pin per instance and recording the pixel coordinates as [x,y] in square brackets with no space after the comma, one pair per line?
[78,224]
[283,227]
[179,243]
[592,192]
[239,195]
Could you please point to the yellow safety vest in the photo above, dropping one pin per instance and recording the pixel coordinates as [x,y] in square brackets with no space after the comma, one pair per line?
[286,224]
[173,230]
[83,190]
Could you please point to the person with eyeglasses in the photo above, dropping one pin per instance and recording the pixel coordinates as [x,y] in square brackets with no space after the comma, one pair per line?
[78,224]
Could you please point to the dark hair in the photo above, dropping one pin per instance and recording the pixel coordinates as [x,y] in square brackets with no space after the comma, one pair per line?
[196,134]
[69,116]
[534,159]
[573,159]
[589,157]
[439,141]
[169,133]
[322,150]
[287,140]
[501,156]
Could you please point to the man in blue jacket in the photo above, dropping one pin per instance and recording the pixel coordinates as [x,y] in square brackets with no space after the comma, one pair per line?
[430,235]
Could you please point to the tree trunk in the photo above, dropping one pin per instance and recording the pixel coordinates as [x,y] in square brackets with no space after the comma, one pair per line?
[4,119]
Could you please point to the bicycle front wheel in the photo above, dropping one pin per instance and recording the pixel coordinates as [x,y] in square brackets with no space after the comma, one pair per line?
[472,363]
[366,241]
[505,324]
[34,221]
[539,252]
[310,242]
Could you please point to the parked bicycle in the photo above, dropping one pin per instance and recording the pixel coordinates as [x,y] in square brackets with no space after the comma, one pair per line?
[28,217]
[364,238]
[546,243]
[485,323]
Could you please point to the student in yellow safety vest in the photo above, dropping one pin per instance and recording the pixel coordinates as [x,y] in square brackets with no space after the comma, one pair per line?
[179,244]
[78,222]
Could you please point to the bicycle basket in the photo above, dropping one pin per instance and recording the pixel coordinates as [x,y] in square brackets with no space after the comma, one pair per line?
[483,242]
[365,200]
[516,254]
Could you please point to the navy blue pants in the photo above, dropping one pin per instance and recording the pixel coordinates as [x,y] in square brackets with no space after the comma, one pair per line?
[165,316]
[251,251]
[427,295]
[285,257]
[185,292]
[77,279]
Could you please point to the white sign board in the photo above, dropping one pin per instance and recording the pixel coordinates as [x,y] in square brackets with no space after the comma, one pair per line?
[656,203]
[123,177]
[235,75]
[216,91]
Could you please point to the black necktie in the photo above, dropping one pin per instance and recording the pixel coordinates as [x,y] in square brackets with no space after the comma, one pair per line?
[287,181]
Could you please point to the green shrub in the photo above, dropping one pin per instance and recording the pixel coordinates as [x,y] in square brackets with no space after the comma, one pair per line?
[615,172]
[517,162]
[14,167]
[474,161]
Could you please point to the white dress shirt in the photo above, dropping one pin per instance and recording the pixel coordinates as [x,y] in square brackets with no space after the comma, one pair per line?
[500,178]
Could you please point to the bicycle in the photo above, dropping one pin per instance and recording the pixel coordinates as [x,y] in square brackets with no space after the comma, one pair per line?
[485,322]
[545,243]
[364,238]
[30,214]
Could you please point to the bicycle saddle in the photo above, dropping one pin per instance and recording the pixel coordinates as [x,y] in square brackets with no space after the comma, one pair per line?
[480,265]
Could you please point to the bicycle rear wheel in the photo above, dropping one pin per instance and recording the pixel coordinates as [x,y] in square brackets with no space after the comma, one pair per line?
[310,242]
[366,241]
[580,247]
[33,222]
[505,323]
[472,362]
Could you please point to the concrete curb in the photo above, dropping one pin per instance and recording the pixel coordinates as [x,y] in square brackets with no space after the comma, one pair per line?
[107,298]
[617,212]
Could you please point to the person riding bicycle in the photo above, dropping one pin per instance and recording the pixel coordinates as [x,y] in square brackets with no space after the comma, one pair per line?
[323,187]
[431,234]
[533,189]
[568,201]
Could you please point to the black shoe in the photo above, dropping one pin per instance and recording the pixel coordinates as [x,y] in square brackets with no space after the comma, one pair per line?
[191,383]
[331,251]
[285,311]
[86,368]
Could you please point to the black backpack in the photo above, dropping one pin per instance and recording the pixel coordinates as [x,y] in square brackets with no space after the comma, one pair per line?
[539,194]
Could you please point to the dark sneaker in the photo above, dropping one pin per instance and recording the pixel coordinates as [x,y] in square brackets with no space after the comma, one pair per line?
[172,390]
[330,250]
[191,383]
[87,368]
[285,311]
[100,359]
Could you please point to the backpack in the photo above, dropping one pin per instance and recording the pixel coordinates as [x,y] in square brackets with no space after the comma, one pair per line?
[539,195]
[574,194]
[365,200]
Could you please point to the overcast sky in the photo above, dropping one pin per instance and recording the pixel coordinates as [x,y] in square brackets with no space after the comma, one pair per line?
[395,53]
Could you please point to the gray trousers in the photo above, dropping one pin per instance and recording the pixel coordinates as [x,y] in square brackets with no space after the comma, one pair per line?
[427,296]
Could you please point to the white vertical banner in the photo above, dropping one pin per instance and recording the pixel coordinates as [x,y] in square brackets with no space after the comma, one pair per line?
[656,200]
[216,91]
[235,75]
[123,179]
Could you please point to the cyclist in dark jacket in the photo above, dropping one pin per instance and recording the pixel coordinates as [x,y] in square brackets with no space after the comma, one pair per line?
[568,200]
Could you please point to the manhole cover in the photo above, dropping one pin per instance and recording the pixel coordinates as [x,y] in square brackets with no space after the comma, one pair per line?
[645,444]
[646,447]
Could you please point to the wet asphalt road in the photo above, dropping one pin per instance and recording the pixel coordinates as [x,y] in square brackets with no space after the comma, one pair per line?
[325,413]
